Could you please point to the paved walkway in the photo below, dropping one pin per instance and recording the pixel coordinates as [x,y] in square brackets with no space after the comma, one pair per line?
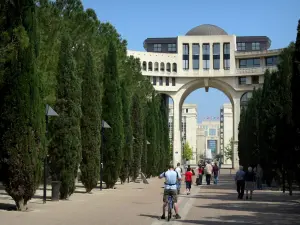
[137,204]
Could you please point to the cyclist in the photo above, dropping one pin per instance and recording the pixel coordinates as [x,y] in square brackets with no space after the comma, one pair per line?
[171,177]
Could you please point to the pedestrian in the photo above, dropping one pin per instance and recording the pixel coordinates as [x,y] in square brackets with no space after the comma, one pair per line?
[200,175]
[259,176]
[188,180]
[249,182]
[216,173]
[208,172]
[240,182]
[178,170]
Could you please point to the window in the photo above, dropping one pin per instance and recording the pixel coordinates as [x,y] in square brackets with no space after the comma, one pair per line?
[150,66]
[212,132]
[255,79]
[156,66]
[186,110]
[160,81]
[157,47]
[167,81]
[154,81]
[241,46]
[168,67]
[271,61]
[185,56]
[242,80]
[173,81]
[144,65]
[256,46]
[216,56]
[205,56]
[196,52]
[171,47]
[249,63]
[226,56]
[174,67]
[162,66]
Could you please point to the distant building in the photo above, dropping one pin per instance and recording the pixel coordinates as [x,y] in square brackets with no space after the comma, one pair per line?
[226,129]
[208,137]
[188,127]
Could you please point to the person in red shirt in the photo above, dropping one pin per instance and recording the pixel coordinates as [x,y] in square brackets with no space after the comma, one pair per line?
[188,180]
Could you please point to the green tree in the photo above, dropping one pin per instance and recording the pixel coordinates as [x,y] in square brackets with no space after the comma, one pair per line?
[112,114]
[229,150]
[187,152]
[22,110]
[137,128]
[90,124]
[65,145]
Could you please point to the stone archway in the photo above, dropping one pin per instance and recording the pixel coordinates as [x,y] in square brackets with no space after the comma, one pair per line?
[184,91]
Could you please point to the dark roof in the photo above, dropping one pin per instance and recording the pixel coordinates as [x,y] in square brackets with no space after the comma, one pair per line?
[206,30]
[254,38]
[168,40]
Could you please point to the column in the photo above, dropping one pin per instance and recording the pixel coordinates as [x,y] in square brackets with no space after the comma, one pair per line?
[176,132]
[190,56]
[236,121]
[221,56]
[211,57]
[200,56]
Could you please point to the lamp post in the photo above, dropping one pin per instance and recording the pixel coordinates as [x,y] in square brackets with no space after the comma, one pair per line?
[49,112]
[104,125]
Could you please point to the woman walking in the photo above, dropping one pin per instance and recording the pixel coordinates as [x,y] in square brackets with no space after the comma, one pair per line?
[188,180]
[249,182]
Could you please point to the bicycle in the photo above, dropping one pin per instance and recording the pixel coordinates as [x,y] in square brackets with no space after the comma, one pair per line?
[170,206]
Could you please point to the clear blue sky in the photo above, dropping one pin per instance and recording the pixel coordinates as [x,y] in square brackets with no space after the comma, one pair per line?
[137,20]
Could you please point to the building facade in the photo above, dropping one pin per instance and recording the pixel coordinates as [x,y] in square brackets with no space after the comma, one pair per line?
[207,56]
[226,131]
[208,138]
[188,128]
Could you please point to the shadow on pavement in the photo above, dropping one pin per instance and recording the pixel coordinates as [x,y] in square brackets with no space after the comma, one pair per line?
[7,207]
[150,216]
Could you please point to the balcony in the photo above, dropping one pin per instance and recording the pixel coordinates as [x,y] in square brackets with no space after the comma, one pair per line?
[254,70]
[264,53]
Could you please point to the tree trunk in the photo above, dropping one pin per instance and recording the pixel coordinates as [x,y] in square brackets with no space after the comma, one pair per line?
[283,180]
[21,206]
[290,183]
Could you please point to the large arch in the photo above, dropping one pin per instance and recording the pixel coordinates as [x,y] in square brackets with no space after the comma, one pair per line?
[187,89]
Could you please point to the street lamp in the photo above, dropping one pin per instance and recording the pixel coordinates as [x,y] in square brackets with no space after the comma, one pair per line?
[104,126]
[49,112]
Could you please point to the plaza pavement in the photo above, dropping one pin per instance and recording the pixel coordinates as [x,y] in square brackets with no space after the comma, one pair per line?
[139,204]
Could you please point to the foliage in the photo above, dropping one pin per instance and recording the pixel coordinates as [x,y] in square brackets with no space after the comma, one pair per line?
[228,152]
[90,124]
[112,114]
[187,152]
[65,145]
[22,111]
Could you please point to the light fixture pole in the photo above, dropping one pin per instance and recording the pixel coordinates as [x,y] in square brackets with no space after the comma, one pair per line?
[49,112]
[104,126]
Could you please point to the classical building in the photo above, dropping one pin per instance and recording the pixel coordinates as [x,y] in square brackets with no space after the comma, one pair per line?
[208,137]
[188,127]
[226,131]
[207,56]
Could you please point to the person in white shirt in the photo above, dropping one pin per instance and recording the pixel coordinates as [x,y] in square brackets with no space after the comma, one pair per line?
[179,171]
[208,172]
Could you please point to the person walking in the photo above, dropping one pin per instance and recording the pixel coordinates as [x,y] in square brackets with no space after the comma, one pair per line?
[188,180]
[216,173]
[249,182]
[200,175]
[178,170]
[208,172]
[240,182]
[259,176]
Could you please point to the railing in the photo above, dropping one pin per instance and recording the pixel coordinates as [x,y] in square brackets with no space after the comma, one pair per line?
[255,70]
[264,52]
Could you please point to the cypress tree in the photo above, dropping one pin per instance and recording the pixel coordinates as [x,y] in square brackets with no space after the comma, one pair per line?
[90,124]
[137,128]
[128,136]
[65,145]
[22,111]
[112,113]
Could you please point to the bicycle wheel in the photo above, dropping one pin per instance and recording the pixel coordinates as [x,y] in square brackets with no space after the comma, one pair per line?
[170,207]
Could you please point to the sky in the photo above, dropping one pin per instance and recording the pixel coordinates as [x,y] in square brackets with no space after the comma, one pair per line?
[137,20]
